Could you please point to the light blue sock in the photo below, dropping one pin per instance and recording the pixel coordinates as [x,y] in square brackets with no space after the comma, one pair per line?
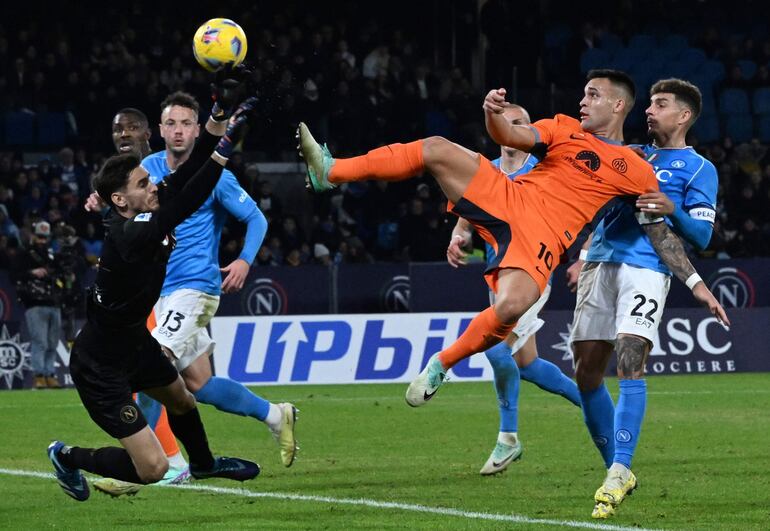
[599,416]
[628,419]
[150,409]
[549,377]
[232,397]
[506,385]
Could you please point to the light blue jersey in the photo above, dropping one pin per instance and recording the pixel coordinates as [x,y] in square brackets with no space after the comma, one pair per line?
[529,163]
[688,179]
[194,264]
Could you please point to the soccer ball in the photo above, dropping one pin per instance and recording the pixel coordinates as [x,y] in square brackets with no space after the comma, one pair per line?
[219,42]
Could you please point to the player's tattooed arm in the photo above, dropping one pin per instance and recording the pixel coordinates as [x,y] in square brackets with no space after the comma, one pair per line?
[632,352]
[670,249]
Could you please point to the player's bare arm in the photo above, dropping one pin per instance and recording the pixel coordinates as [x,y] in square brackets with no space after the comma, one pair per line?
[669,248]
[500,129]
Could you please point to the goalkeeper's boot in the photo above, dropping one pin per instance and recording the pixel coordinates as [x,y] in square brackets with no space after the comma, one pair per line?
[71,480]
[503,455]
[427,383]
[317,158]
[115,487]
[227,467]
[619,483]
[284,434]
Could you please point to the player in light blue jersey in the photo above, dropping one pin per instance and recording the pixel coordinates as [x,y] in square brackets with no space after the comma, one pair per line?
[521,344]
[190,294]
[623,284]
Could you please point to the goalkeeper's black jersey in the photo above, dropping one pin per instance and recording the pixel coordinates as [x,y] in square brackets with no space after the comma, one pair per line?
[132,266]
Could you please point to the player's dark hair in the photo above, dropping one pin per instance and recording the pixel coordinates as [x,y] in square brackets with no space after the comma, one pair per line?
[114,175]
[180,99]
[135,112]
[617,78]
[684,91]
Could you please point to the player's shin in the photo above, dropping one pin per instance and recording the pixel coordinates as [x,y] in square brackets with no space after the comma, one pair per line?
[629,415]
[189,429]
[483,332]
[599,416]
[506,380]
[549,377]
[394,162]
[111,462]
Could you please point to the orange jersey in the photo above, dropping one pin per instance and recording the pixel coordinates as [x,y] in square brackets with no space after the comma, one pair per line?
[579,175]
[530,221]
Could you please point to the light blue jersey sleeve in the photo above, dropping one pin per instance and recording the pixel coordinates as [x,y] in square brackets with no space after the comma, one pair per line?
[240,205]
[694,219]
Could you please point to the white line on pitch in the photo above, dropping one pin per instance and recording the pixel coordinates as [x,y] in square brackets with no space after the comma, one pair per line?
[446,511]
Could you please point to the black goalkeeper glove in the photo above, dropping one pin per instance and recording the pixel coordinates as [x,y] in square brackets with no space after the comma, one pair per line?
[236,127]
[228,88]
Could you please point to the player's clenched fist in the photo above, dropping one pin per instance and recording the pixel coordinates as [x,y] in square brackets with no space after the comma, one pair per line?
[495,101]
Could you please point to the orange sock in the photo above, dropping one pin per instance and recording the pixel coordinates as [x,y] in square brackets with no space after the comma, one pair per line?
[165,435]
[394,162]
[484,331]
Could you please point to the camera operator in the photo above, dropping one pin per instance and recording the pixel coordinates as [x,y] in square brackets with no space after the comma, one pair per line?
[70,265]
[36,284]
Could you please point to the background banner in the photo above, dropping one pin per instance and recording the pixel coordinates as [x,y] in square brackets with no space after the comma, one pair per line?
[379,348]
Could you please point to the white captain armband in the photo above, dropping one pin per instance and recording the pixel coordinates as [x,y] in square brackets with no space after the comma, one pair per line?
[143,217]
[647,219]
[703,214]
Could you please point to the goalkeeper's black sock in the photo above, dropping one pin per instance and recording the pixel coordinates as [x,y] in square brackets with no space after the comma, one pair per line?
[110,462]
[188,428]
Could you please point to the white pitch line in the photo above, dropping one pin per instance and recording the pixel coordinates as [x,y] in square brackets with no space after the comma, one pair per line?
[446,511]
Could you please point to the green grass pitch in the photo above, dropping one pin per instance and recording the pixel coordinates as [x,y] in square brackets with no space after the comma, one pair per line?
[703,462]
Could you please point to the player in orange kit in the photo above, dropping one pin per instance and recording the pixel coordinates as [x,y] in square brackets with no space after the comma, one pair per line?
[530,222]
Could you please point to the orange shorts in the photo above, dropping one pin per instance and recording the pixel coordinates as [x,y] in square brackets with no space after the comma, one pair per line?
[511,224]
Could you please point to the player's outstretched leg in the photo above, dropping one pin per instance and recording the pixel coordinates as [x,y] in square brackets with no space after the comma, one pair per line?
[393,162]
[71,480]
[317,158]
[233,397]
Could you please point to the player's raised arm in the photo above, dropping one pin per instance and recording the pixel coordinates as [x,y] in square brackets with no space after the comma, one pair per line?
[669,248]
[226,92]
[520,137]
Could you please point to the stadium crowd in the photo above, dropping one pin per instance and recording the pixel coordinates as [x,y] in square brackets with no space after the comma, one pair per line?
[360,84]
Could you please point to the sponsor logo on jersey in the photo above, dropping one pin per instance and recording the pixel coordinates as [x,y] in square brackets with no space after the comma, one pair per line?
[589,159]
[620,165]
[143,217]
[242,197]
[678,164]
